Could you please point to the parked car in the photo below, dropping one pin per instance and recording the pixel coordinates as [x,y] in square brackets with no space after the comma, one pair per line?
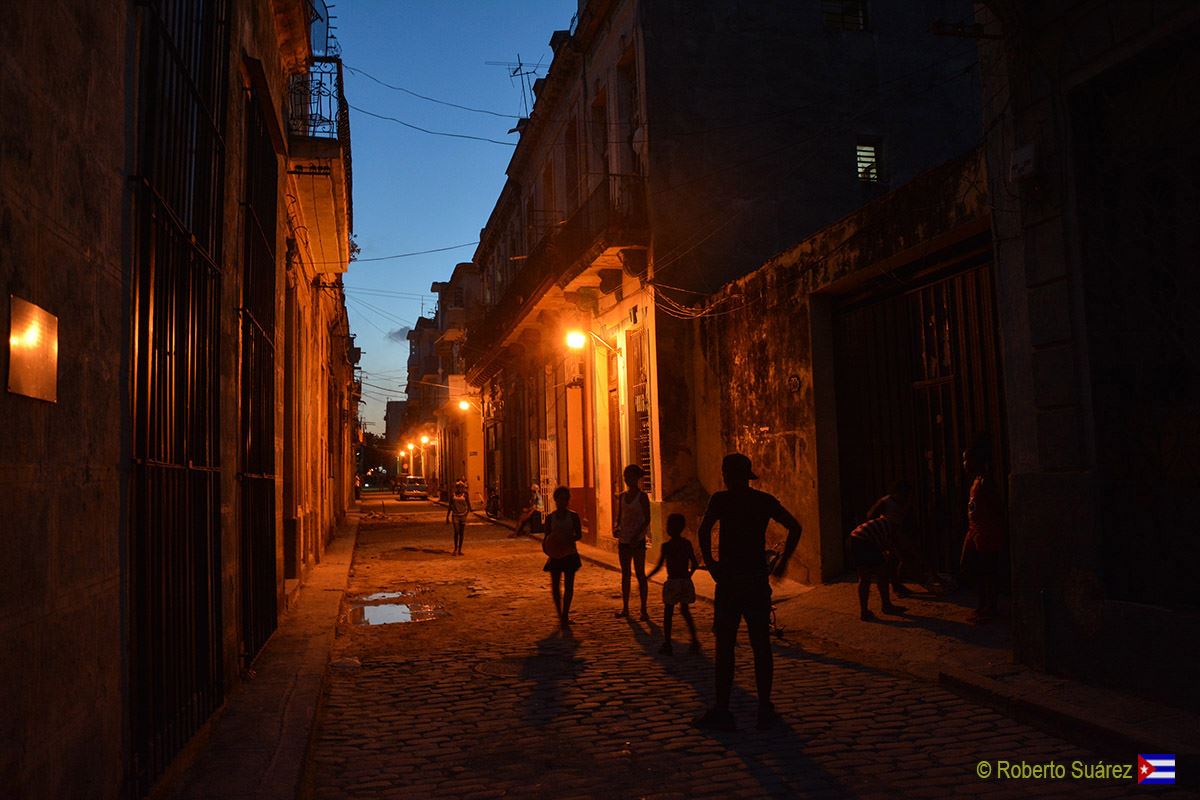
[413,487]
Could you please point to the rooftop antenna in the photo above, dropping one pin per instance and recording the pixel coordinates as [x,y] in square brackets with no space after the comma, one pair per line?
[521,71]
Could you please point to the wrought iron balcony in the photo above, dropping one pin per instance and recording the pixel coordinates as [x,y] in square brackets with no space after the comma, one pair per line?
[319,133]
[613,216]
[317,107]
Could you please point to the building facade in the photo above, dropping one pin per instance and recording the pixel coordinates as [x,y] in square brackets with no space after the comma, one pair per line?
[672,147]
[1091,112]
[458,418]
[175,197]
[862,356]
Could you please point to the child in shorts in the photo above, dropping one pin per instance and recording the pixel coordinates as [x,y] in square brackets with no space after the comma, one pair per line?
[680,558]
[873,547]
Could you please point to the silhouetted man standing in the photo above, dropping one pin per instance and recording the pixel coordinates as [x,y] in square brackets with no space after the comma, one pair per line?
[743,582]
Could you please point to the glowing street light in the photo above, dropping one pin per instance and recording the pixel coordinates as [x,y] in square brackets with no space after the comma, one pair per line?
[463,405]
[424,440]
[577,339]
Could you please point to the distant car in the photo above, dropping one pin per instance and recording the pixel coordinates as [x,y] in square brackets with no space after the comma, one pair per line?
[413,487]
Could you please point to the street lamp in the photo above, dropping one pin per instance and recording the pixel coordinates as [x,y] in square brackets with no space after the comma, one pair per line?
[576,339]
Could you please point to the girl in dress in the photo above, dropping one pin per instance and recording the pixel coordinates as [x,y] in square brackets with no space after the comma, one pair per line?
[563,529]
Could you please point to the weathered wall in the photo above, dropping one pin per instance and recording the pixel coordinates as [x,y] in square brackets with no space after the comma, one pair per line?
[66,149]
[759,357]
[62,203]
[754,110]
[1065,617]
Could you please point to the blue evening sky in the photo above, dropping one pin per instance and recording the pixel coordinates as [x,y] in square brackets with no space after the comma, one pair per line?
[414,191]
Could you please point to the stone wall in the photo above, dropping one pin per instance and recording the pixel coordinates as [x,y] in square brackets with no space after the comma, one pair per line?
[63,148]
[1065,612]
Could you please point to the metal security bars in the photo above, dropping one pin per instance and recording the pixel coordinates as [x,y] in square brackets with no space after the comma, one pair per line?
[868,159]
[256,475]
[918,379]
[173,566]
[844,15]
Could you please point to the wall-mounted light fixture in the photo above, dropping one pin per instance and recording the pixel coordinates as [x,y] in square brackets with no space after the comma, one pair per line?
[32,351]
[576,339]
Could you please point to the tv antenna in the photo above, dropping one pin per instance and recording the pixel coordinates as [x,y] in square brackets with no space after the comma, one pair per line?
[520,71]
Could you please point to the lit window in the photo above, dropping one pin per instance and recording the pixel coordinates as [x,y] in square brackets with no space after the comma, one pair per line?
[868,162]
[845,15]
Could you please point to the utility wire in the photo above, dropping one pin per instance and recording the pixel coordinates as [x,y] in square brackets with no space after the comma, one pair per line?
[369,76]
[416,253]
[389,293]
[427,130]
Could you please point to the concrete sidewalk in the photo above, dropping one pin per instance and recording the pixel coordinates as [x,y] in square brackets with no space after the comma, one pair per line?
[932,640]
[258,744]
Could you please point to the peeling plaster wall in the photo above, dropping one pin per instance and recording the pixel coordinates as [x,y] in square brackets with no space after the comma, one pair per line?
[754,110]
[755,369]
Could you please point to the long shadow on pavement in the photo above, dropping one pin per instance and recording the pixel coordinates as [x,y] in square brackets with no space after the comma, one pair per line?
[774,758]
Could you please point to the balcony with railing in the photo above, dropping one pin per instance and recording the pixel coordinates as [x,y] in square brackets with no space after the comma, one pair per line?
[612,217]
[319,147]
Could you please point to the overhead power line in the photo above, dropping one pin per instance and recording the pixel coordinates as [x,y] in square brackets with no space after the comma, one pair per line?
[408,255]
[431,132]
[369,76]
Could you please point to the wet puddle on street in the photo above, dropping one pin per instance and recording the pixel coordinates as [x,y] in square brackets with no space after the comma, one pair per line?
[373,609]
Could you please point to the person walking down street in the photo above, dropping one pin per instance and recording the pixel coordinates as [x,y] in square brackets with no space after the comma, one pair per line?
[741,515]
[458,509]
[532,514]
[985,531]
[680,558]
[633,509]
[563,530]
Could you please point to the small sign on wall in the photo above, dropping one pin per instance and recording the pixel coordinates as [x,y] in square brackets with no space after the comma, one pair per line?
[32,351]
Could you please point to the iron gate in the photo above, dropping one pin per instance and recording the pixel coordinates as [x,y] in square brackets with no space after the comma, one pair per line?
[174,598]
[917,380]
[256,478]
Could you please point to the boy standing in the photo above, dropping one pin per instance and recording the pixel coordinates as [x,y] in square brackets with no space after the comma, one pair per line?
[743,586]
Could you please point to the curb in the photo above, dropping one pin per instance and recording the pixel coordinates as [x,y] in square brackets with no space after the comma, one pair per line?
[1059,718]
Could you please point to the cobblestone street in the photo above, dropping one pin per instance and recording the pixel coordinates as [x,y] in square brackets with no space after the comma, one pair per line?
[480,695]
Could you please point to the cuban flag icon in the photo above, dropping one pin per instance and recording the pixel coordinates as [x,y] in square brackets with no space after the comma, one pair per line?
[1156,769]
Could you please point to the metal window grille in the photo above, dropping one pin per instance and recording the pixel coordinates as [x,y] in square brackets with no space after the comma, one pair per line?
[640,432]
[174,563]
[918,378]
[868,159]
[256,476]
[844,15]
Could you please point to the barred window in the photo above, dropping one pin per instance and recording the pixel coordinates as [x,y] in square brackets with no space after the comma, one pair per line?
[869,158]
[844,15]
